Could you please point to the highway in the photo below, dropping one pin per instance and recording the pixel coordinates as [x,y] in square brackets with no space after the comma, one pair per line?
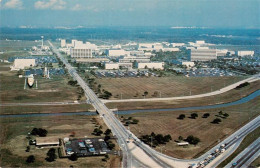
[247,156]
[135,152]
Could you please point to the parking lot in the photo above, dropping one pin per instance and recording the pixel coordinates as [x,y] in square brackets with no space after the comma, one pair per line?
[85,147]
[40,71]
[120,74]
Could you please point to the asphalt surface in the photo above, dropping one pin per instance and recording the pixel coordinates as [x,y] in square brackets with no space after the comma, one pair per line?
[247,156]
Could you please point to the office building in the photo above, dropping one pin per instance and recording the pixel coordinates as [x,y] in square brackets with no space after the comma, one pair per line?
[62,43]
[150,65]
[202,54]
[23,63]
[245,53]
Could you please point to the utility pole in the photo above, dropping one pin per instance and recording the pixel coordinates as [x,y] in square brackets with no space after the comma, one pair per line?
[24,83]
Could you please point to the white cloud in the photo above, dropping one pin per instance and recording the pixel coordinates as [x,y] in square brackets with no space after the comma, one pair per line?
[76,7]
[51,4]
[13,4]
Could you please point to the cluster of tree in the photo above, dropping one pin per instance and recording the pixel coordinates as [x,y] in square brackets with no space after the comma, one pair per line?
[106,94]
[222,115]
[181,116]
[155,139]
[216,121]
[192,140]
[205,115]
[72,83]
[242,85]
[73,157]
[97,131]
[106,158]
[194,115]
[39,131]
[129,120]
[30,159]
[80,93]
[51,155]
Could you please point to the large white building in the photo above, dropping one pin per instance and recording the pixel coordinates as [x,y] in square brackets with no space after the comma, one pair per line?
[245,53]
[150,65]
[81,53]
[134,58]
[202,54]
[23,63]
[117,65]
[116,53]
[62,43]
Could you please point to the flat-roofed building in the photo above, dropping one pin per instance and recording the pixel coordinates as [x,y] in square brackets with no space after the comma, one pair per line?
[23,63]
[245,53]
[47,141]
[150,65]
[111,65]
[134,58]
[81,53]
[202,54]
[116,53]
[62,43]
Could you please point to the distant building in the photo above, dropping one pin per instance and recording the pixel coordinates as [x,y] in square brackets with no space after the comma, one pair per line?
[62,43]
[133,59]
[200,42]
[202,54]
[81,53]
[111,65]
[23,63]
[150,65]
[170,49]
[177,44]
[221,53]
[182,62]
[117,65]
[116,53]
[245,53]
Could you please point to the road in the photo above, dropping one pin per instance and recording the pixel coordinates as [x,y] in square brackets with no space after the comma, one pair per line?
[247,156]
[217,92]
[135,152]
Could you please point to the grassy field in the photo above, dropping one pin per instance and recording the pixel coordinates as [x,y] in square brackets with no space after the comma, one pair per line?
[229,96]
[256,163]
[209,134]
[250,138]
[13,140]
[49,90]
[163,86]
[45,109]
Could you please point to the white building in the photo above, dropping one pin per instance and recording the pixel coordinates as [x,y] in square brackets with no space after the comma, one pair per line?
[134,58]
[116,53]
[62,43]
[200,42]
[150,65]
[185,63]
[202,54]
[81,53]
[111,65]
[170,49]
[245,53]
[23,63]
[222,52]
[177,44]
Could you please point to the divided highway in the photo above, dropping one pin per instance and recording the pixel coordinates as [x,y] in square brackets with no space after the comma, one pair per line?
[135,152]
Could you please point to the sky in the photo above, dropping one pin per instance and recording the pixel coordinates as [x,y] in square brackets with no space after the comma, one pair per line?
[172,13]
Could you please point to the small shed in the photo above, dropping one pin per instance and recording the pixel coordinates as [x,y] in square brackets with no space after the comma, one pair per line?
[183,143]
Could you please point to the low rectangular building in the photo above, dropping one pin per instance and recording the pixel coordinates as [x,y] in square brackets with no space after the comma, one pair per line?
[245,53]
[47,141]
[23,63]
[150,65]
[111,65]
[202,54]
[116,53]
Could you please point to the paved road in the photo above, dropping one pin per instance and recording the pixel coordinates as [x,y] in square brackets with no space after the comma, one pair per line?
[223,90]
[135,151]
[247,156]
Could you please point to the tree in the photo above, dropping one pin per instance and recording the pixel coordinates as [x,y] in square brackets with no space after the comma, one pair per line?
[27,149]
[193,140]
[30,159]
[206,115]
[167,138]
[108,132]
[194,115]
[135,121]
[216,121]
[73,157]
[225,115]
[180,138]
[181,116]
[51,155]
